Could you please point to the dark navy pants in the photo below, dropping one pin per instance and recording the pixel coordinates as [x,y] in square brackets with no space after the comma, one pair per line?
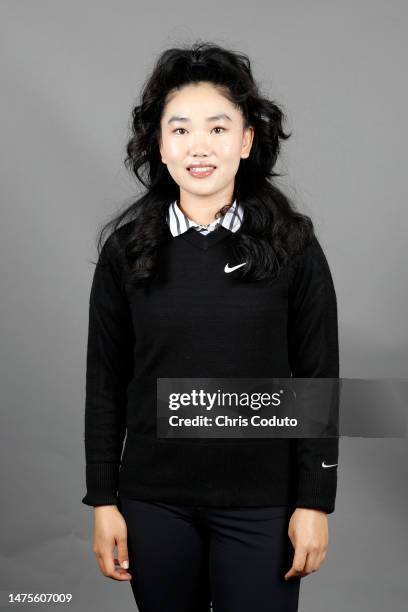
[183,557]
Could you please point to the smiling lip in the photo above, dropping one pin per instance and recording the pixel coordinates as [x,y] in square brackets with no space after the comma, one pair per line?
[199,171]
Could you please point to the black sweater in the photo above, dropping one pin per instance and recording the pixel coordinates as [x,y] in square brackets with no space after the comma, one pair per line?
[193,320]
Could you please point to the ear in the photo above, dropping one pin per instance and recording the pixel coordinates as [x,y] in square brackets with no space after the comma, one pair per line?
[247,141]
[161,148]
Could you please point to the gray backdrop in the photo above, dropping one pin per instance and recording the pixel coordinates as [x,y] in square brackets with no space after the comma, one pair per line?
[71,72]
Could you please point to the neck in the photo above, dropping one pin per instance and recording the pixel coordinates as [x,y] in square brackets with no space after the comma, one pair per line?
[204,215]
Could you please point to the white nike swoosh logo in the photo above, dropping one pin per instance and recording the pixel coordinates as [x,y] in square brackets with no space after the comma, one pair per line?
[324,465]
[228,269]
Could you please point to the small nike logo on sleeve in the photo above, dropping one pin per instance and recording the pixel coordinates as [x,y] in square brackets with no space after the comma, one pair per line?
[227,269]
[325,465]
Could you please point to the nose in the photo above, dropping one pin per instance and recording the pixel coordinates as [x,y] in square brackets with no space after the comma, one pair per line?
[199,145]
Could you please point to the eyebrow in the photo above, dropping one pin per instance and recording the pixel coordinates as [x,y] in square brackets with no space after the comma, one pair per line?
[213,118]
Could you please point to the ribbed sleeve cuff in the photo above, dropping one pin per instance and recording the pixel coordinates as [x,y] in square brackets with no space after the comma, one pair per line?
[101,484]
[317,490]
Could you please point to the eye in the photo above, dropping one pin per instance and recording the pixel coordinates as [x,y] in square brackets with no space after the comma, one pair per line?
[216,128]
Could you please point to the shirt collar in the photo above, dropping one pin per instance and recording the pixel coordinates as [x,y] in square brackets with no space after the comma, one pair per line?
[179,222]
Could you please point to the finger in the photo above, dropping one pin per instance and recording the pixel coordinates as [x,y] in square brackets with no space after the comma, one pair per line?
[118,564]
[120,569]
[110,571]
[299,560]
[123,552]
[121,574]
[312,562]
[320,559]
[293,573]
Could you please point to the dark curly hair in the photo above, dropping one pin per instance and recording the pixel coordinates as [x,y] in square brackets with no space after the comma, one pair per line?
[272,230]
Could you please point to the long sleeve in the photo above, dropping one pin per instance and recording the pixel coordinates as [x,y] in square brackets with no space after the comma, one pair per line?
[108,369]
[314,352]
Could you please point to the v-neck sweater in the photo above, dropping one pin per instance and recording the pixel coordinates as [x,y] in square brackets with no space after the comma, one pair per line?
[194,321]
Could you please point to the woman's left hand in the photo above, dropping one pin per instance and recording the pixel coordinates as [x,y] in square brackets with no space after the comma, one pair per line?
[309,533]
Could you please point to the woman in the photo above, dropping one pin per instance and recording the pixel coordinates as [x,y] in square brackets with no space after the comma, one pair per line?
[211,273]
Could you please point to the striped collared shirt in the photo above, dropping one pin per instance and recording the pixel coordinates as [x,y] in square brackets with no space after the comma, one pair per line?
[179,222]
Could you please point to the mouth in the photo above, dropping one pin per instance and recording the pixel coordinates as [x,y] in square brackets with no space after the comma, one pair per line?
[201,171]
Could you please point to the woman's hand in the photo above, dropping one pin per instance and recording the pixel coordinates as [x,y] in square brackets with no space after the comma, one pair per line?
[309,533]
[111,529]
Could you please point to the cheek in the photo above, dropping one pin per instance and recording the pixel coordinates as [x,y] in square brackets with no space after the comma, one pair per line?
[176,173]
[175,150]
[230,149]
[230,157]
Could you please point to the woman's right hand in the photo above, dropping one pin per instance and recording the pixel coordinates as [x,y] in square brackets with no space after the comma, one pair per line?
[110,530]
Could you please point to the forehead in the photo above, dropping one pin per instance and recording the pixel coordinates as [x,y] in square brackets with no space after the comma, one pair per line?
[201,100]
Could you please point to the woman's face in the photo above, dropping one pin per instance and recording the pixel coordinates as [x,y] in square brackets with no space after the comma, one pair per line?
[200,126]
